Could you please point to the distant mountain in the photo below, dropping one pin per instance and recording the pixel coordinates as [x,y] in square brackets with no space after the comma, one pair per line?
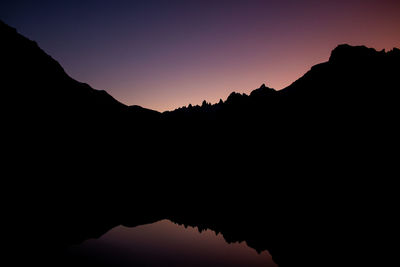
[352,75]
[37,82]
[299,159]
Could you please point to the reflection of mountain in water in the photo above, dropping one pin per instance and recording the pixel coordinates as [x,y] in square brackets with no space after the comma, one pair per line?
[287,171]
[165,244]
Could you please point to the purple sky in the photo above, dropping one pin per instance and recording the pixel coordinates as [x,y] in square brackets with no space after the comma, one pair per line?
[168,53]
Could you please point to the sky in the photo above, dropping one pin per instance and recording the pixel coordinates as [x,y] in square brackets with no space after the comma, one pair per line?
[168,53]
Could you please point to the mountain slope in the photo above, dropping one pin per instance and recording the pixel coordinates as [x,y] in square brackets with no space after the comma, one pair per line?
[298,159]
[352,74]
[34,83]
[33,78]
[343,100]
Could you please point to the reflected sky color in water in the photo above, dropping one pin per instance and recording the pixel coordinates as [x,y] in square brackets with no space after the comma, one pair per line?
[167,244]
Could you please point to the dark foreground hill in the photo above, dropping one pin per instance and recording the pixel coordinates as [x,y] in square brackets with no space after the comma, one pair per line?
[306,172]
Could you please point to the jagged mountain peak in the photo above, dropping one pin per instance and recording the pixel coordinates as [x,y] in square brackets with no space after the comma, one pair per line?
[348,53]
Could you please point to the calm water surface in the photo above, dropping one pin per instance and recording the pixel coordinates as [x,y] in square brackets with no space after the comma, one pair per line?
[165,243]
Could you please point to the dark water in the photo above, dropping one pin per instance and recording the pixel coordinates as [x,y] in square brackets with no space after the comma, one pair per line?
[165,243]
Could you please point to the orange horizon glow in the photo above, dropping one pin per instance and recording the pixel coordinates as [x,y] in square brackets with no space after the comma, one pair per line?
[190,51]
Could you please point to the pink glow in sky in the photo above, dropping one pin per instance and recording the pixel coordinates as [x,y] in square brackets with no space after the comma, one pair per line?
[166,54]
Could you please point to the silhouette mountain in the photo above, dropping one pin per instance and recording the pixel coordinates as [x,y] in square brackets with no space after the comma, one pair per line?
[36,80]
[290,170]
[352,73]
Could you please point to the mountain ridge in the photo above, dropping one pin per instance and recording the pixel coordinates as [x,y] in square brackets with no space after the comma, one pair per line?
[299,158]
[342,53]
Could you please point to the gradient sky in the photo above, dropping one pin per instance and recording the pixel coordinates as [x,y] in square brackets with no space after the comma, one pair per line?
[168,53]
